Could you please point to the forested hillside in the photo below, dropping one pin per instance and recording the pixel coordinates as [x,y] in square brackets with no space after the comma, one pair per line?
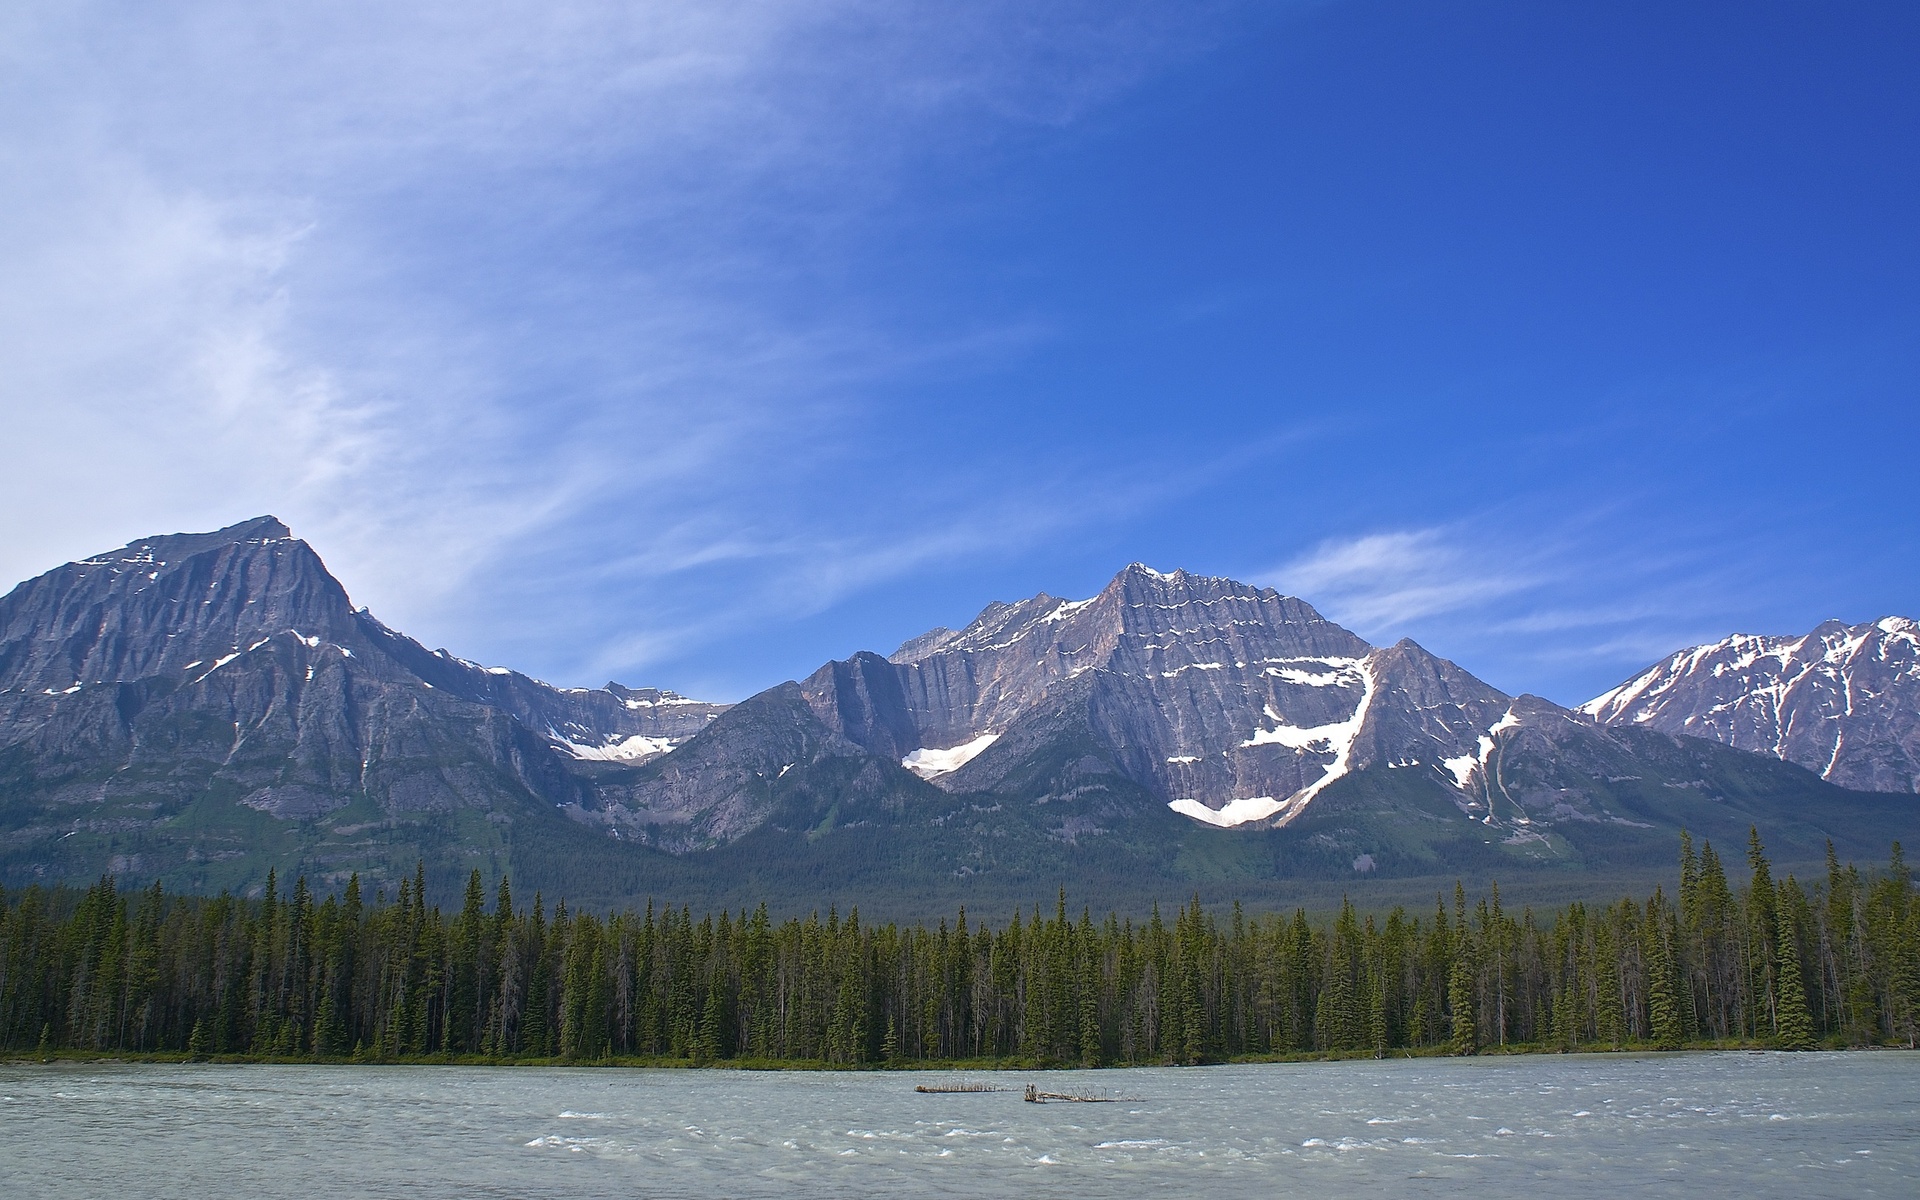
[1771,962]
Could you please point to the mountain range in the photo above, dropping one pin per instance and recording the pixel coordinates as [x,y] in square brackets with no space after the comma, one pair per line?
[202,708]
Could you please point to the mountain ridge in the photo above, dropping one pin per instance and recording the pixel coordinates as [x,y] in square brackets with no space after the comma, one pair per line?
[204,707]
[1842,700]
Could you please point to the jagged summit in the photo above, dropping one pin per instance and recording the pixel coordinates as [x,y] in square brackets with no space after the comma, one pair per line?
[172,547]
[204,706]
[1139,601]
[159,604]
[1842,700]
[181,606]
[1234,703]
[143,682]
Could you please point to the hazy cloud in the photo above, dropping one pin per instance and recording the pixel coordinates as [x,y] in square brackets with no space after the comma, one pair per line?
[1515,604]
[452,285]
[1382,581]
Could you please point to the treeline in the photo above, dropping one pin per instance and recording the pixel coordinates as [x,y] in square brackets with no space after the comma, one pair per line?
[1770,962]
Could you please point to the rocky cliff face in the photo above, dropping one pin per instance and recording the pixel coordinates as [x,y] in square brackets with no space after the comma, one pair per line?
[202,707]
[164,605]
[183,682]
[1234,706]
[1235,703]
[1842,701]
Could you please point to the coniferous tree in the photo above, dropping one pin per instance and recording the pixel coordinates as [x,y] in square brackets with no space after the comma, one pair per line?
[1466,1036]
[1663,1002]
[1795,1024]
[291,974]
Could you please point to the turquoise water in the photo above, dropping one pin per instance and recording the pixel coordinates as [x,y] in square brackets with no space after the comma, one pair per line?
[1727,1125]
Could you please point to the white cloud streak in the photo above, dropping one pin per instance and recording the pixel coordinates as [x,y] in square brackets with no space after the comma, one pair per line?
[1517,605]
[1382,581]
[449,286]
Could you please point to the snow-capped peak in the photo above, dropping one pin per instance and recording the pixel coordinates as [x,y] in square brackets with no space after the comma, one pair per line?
[1842,700]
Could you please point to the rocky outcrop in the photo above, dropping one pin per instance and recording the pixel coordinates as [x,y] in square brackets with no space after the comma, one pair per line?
[1232,702]
[1842,701]
[161,693]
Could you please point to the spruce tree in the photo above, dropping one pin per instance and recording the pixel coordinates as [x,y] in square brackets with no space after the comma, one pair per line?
[1466,1035]
[713,1021]
[1762,927]
[1377,1015]
[1089,1010]
[1794,1025]
[1565,1036]
[1905,984]
[1663,1001]
[534,1028]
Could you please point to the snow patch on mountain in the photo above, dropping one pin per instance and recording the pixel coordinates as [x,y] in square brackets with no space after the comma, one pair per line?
[1232,813]
[1341,741]
[928,762]
[1463,766]
[1336,739]
[1341,672]
[1067,609]
[1295,738]
[626,749]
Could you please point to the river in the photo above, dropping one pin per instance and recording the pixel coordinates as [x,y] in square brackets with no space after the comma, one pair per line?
[1733,1125]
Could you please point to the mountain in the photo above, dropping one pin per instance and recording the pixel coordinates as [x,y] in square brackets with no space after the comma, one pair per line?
[203,708]
[204,705]
[1842,701]
[1083,723]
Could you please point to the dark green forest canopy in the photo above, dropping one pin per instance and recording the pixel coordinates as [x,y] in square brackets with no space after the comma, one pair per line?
[1769,961]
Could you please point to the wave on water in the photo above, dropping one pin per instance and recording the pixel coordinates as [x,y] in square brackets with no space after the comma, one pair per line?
[456,1134]
[555,1142]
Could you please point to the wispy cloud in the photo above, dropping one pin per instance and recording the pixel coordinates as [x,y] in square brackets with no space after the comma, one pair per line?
[1518,604]
[1384,581]
[504,304]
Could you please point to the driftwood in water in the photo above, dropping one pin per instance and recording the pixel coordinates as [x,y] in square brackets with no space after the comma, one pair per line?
[1036,1096]
[948,1089]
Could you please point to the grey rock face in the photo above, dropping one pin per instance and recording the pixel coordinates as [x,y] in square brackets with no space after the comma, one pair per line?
[1235,703]
[160,604]
[216,696]
[230,669]
[184,607]
[611,723]
[1842,701]
[1207,690]
[732,777]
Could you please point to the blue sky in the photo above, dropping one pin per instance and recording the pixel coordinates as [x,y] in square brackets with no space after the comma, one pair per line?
[694,344]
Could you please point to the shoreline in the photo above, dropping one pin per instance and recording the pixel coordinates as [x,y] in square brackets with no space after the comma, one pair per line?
[805,1066]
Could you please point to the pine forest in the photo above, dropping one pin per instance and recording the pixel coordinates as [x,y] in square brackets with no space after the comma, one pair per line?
[1770,962]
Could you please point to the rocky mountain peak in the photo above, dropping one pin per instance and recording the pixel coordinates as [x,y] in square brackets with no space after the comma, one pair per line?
[161,604]
[1842,700]
[173,547]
